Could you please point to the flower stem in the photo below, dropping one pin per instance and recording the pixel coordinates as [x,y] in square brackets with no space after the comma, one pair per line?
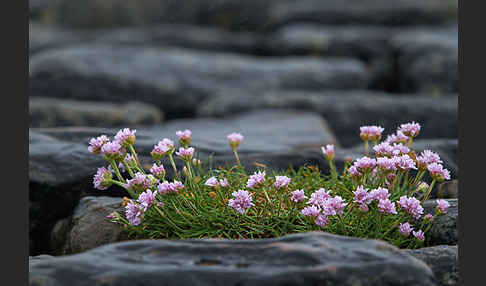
[136,158]
[117,172]
[429,190]
[236,156]
[173,165]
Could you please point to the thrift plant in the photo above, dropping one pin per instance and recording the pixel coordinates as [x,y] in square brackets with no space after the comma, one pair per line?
[377,196]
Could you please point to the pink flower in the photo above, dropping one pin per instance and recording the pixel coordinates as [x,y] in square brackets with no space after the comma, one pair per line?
[211,182]
[412,206]
[383,149]
[235,139]
[410,129]
[311,211]
[361,196]
[164,147]
[281,182]
[437,172]
[165,188]
[428,157]
[386,164]
[328,152]
[102,179]
[95,144]
[365,164]
[372,133]
[399,137]
[419,235]
[241,201]
[399,149]
[184,137]
[429,217]
[405,229]
[256,179]
[321,221]
[223,182]
[364,208]
[133,213]
[146,199]
[379,194]
[298,196]
[158,171]
[177,186]
[125,137]
[112,150]
[387,207]
[333,206]
[442,205]
[318,197]
[139,182]
[404,163]
[111,216]
[354,172]
[185,154]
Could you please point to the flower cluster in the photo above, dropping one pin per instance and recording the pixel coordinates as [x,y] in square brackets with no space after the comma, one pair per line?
[378,195]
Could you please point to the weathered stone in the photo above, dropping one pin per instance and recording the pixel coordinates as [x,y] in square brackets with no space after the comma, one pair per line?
[91,228]
[300,259]
[177,80]
[442,259]
[444,229]
[427,60]
[50,112]
[59,235]
[249,14]
[346,111]
[448,190]
[43,37]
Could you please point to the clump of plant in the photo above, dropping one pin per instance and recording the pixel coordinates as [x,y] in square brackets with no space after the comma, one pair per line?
[378,197]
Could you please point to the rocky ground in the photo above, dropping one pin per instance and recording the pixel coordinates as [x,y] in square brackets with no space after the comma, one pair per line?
[290,75]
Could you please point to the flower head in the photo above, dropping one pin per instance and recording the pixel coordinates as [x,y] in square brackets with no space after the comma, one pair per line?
[399,137]
[404,163]
[184,137]
[298,196]
[125,137]
[405,229]
[386,164]
[256,179]
[164,147]
[223,182]
[361,196]
[139,182]
[412,206]
[354,172]
[158,171]
[146,199]
[442,206]
[112,150]
[429,218]
[328,152]
[427,157]
[317,197]
[419,235]
[371,133]
[281,182]
[165,187]
[134,212]
[410,129]
[333,206]
[399,149]
[311,211]
[212,182]
[437,172]
[95,144]
[235,139]
[379,194]
[102,179]
[241,201]
[185,154]
[383,149]
[321,221]
[387,207]
[365,164]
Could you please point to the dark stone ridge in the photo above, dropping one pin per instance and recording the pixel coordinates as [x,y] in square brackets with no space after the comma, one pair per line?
[177,80]
[448,190]
[444,229]
[51,112]
[427,59]
[301,259]
[246,15]
[442,259]
[346,111]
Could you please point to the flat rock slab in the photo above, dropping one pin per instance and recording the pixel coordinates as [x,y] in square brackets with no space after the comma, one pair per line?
[52,112]
[177,80]
[265,131]
[443,260]
[300,259]
[427,59]
[346,111]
